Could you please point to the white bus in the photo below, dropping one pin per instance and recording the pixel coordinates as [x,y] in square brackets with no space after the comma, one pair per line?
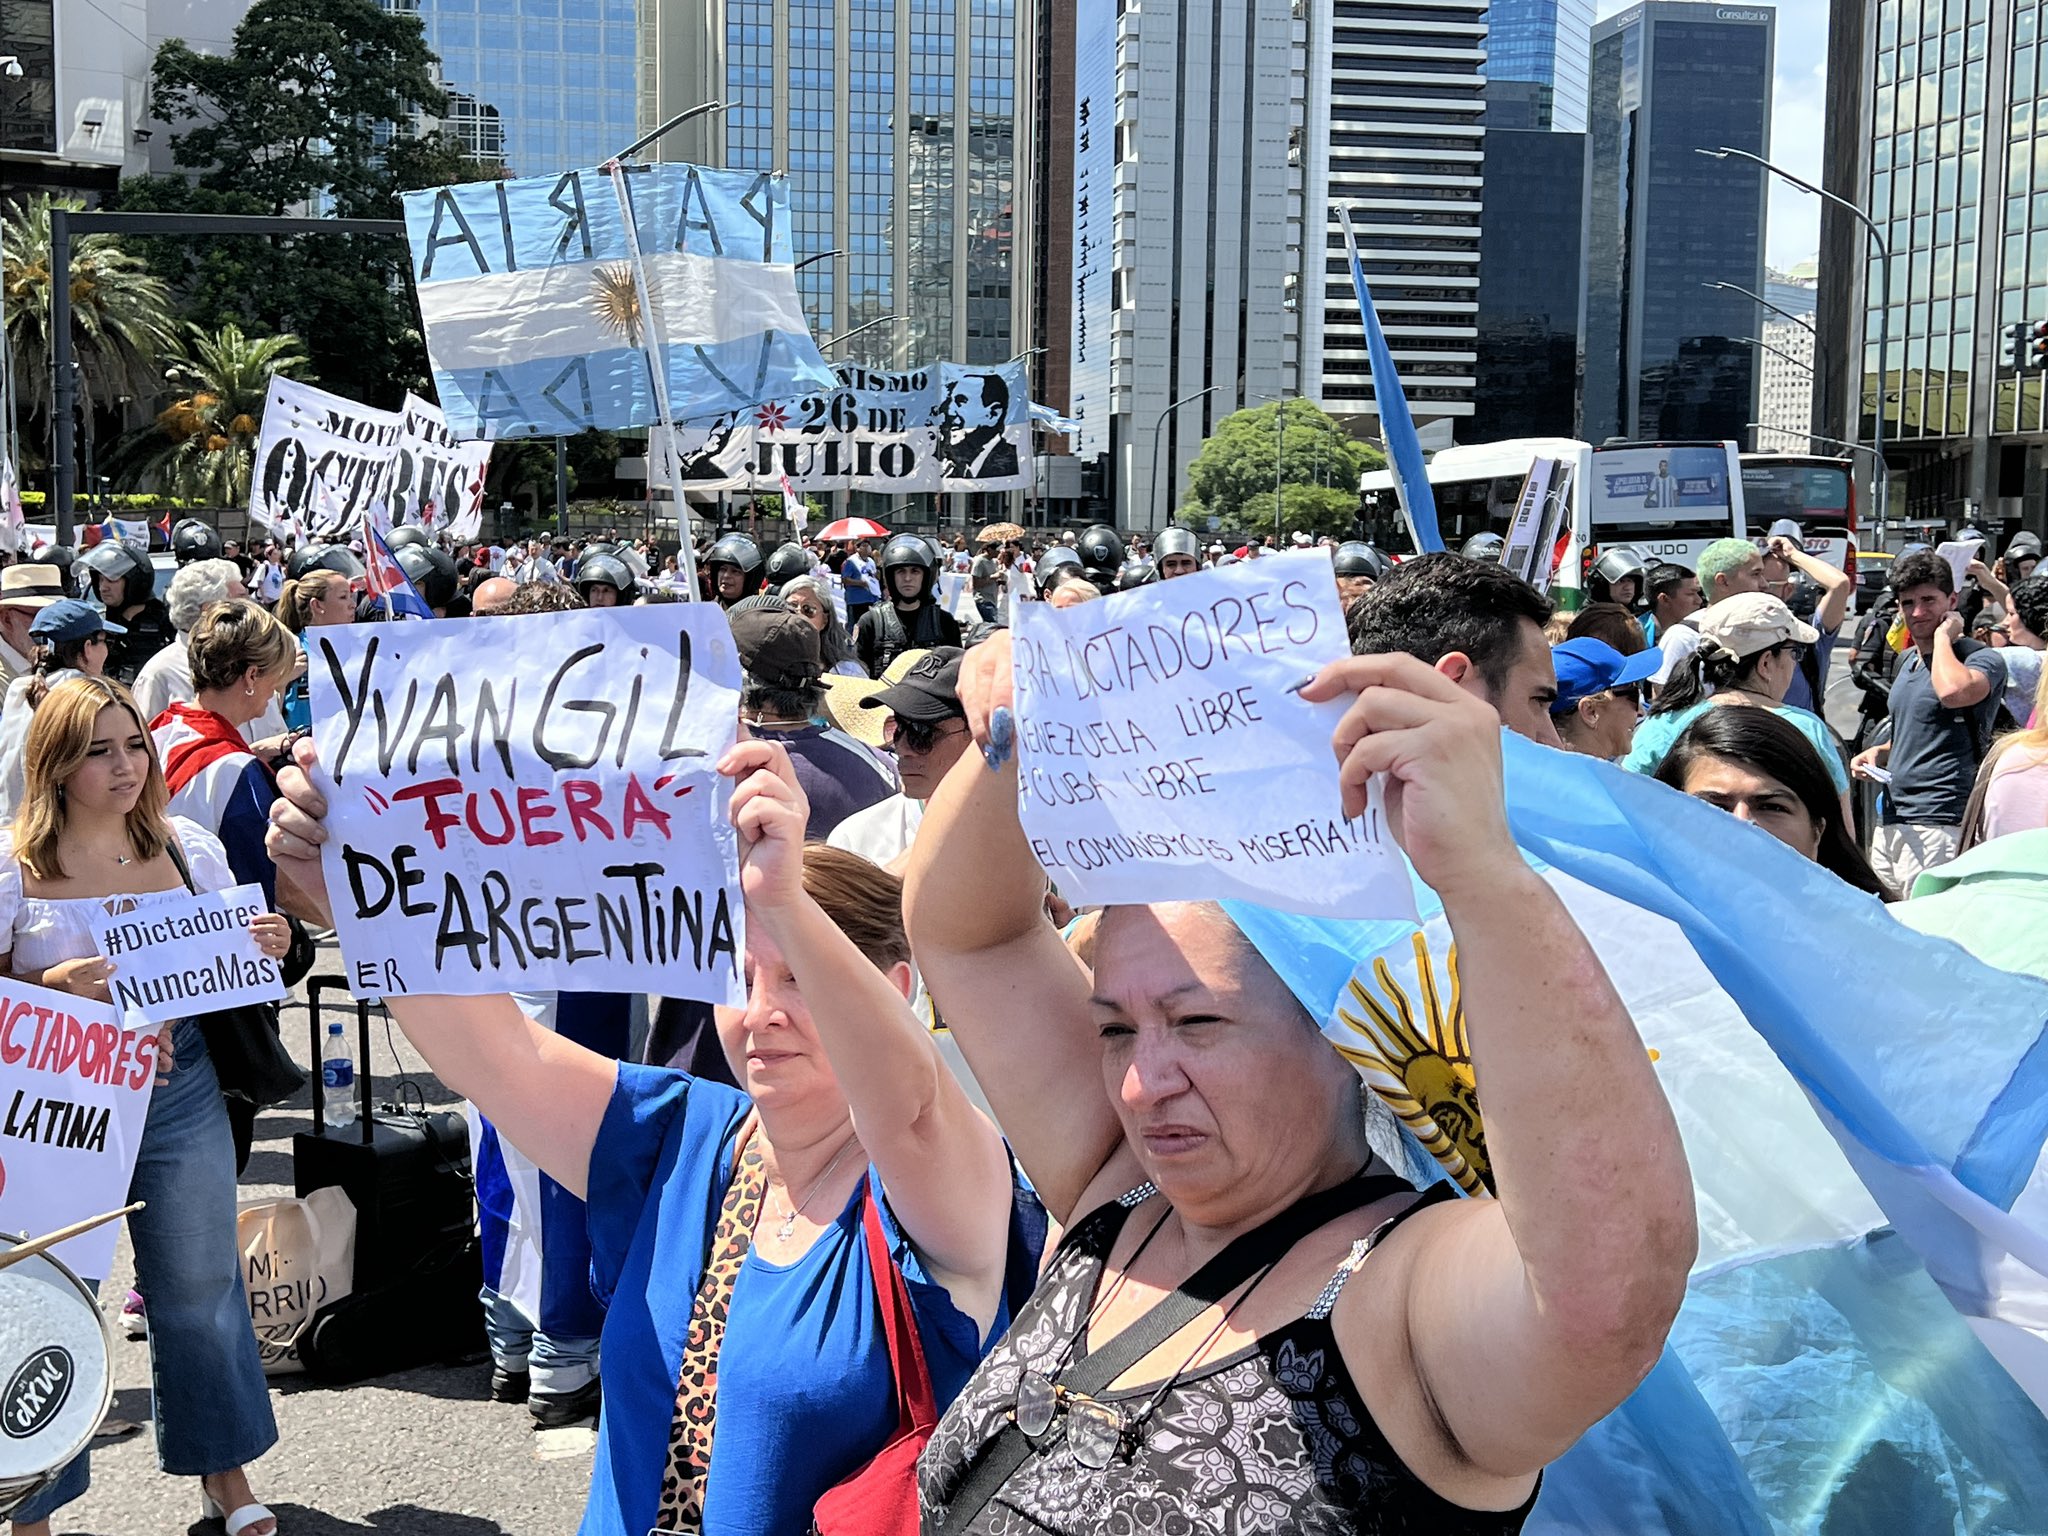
[1666,500]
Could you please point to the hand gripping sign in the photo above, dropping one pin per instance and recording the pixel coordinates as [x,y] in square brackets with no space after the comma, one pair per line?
[532,804]
[1163,756]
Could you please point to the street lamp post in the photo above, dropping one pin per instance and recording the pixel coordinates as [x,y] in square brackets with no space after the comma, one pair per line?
[1170,409]
[812,260]
[670,126]
[1884,330]
[849,335]
[1794,359]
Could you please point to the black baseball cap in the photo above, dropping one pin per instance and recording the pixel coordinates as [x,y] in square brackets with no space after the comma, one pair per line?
[777,645]
[928,693]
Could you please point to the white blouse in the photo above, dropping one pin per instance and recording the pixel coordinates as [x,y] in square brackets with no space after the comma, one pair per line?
[47,931]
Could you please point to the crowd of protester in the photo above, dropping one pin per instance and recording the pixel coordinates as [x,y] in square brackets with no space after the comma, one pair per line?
[735,1176]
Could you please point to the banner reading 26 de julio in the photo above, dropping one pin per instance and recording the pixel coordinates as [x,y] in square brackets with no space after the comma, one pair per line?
[946,427]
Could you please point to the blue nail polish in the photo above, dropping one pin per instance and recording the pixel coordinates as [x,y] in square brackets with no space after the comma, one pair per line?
[1297,687]
[1002,733]
[993,758]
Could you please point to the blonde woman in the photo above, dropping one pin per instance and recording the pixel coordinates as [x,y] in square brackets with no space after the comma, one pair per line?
[2012,786]
[94,825]
[320,595]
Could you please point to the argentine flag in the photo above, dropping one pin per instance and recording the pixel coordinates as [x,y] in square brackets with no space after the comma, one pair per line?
[1863,1108]
[530,299]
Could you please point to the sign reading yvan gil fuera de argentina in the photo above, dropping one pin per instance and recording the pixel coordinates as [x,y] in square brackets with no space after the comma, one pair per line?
[532,803]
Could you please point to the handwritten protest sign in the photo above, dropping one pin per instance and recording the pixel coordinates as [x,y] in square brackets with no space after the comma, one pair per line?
[1162,758]
[74,1090]
[185,954]
[532,804]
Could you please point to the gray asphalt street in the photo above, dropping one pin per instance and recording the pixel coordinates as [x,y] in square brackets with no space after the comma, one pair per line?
[419,1454]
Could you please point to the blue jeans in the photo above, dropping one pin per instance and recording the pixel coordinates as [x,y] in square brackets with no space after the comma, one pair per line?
[212,1407]
[558,1363]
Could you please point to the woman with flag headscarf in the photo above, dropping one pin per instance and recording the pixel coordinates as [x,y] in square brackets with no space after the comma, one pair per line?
[1251,1320]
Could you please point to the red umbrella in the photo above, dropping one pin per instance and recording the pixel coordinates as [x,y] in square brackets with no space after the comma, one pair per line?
[853,528]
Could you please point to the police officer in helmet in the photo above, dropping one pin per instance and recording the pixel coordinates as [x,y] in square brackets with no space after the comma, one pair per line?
[909,616]
[603,580]
[786,564]
[125,583]
[1102,556]
[1359,565]
[193,540]
[734,565]
[432,572]
[1176,552]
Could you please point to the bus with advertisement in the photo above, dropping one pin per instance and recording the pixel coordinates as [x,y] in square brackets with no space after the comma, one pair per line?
[1819,494]
[1668,501]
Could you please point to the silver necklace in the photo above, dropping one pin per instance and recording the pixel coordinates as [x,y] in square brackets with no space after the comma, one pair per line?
[787,1230]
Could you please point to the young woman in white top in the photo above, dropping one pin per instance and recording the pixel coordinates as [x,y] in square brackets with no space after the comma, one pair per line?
[92,826]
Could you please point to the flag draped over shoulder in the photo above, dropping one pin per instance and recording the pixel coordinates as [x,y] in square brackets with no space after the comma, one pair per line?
[1861,1105]
[531,305]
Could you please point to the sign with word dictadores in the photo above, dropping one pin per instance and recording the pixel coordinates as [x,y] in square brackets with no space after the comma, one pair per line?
[74,1090]
[186,953]
[532,804]
[1162,755]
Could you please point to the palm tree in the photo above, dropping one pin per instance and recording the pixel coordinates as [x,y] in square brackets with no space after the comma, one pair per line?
[206,438]
[120,313]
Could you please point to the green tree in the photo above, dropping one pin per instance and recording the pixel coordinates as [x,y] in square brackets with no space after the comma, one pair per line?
[299,103]
[1236,465]
[1315,510]
[204,442]
[314,107]
[120,311]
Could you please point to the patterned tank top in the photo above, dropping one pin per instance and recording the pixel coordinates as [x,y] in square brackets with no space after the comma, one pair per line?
[1273,1438]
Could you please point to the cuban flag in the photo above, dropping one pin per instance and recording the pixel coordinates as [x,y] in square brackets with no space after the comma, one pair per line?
[1397,427]
[1863,1108]
[386,578]
[530,297]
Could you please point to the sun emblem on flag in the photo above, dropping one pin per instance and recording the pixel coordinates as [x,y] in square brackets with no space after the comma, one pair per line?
[1420,1064]
[616,299]
[771,417]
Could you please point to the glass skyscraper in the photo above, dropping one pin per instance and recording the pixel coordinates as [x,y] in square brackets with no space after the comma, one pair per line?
[1545,43]
[539,85]
[1663,358]
[898,122]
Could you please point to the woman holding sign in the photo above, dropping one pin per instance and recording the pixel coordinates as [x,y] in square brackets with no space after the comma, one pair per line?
[747,1372]
[93,828]
[1249,1315]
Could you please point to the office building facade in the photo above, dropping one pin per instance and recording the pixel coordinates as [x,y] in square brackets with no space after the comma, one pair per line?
[75,120]
[1531,270]
[906,131]
[1546,44]
[1664,358]
[1393,131]
[538,86]
[1939,129]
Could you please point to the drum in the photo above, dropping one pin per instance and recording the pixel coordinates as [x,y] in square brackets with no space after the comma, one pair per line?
[56,1376]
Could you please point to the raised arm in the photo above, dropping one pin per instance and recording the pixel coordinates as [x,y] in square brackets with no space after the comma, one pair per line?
[1013,996]
[1835,584]
[941,1160]
[1528,1316]
[1957,684]
[546,1095]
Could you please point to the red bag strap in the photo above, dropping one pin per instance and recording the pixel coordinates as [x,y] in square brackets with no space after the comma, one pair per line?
[917,1404]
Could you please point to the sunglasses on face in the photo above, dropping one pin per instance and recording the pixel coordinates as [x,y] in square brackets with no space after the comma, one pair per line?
[916,736]
[809,610]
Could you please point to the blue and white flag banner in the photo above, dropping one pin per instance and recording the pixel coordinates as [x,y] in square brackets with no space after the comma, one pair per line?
[528,295]
[1863,1108]
[1397,426]
[942,427]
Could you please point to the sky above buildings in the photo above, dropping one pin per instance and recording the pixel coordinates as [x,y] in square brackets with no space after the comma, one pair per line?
[1798,126]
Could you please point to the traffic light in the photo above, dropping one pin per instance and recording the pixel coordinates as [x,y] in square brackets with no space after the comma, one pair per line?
[2015,338]
[2037,346]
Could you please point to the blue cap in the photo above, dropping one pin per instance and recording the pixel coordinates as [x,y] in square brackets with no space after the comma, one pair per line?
[69,620]
[1587,666]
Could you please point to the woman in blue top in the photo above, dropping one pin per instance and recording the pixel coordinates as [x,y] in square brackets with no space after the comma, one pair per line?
[846,1099]
[1748,653]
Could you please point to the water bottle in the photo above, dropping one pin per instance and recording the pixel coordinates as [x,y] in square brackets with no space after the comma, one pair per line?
[338,1080]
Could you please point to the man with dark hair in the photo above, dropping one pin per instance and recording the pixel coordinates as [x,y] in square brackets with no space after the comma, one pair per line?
[1943,701]
[973,415]
[1674,596]
[1477,623]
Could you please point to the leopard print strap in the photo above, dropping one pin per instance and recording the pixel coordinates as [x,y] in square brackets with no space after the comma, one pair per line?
[690,1430]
